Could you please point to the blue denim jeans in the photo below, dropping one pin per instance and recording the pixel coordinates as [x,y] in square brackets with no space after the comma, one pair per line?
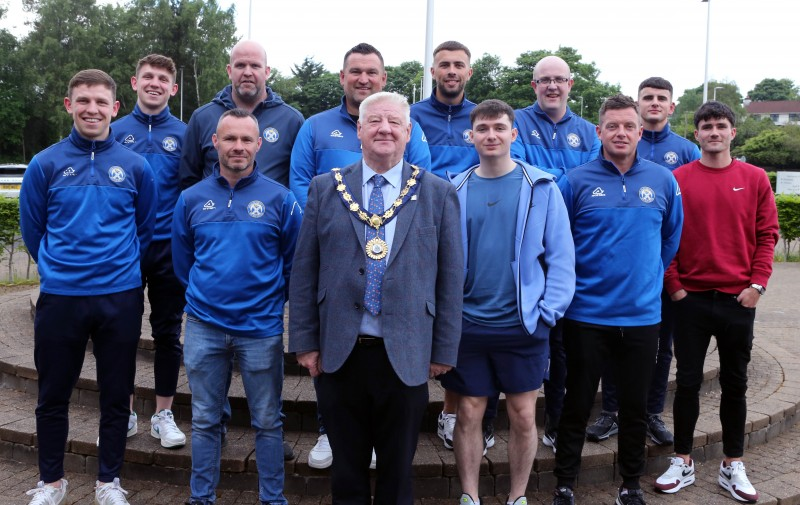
[207,354]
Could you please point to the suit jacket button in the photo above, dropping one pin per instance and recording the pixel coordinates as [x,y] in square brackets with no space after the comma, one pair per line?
[360,271]
[357,306]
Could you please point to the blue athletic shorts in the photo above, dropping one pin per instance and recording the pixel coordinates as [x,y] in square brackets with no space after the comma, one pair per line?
[494,360]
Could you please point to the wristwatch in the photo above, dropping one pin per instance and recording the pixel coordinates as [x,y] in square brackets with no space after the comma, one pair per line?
[758,287]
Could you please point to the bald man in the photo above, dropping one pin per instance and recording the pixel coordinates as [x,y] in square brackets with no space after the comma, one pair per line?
[553,138]
[278,123]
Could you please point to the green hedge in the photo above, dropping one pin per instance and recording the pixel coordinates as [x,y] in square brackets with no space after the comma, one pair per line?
[789,220]
[10,237]
[773,180]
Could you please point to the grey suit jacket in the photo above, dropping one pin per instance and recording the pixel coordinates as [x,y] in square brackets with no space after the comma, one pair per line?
[422,288]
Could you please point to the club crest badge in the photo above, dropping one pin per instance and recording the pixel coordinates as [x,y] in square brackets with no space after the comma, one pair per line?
[573,140]
[116,174]
[169,144]
[255,209]
[271,135]
[647,195]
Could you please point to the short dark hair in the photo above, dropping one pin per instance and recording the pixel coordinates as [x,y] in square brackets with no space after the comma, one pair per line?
[714,110]
[491,108]
[452,45]
[618,102]
[238,113]
[92,77]
[158,61]
[362,48]
[657,83]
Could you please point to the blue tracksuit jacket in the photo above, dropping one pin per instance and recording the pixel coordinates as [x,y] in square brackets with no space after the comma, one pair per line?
[554,147]
[87,212]
[447,130]
[626,229]
[667,148]
[278,122]
[329,140]
[232,248]
[159,138]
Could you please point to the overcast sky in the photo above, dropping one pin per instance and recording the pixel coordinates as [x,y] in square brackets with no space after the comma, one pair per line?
[628,40]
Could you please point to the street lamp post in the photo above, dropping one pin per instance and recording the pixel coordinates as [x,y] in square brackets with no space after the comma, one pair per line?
[708,31]
[715,91]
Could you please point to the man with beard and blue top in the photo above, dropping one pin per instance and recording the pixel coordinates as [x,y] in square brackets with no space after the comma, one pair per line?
[329,140]
[278,122]
[553,138]
[626,218]
[444,116]
[153,132]
[661,145]
[236,231]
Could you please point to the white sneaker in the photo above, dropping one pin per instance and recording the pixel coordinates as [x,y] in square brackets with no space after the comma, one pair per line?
[110,493]
[678,476]
[374,461]
[734,479]
[446,425]
[163,427]
[321,456]
[467,500]
[45,494]
[133,427]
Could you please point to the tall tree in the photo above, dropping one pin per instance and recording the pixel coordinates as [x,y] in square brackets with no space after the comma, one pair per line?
[682,120]
[69,35]
[774,89]
[12,103]
[486,72]
[405,79]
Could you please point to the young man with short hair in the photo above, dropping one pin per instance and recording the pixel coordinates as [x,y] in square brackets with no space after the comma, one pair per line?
[153,132]
[87,211]
[626,218]
[519,266]
[660,145]
[715,282]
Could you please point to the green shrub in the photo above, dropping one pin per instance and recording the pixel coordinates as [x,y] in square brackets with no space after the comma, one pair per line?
[789,220]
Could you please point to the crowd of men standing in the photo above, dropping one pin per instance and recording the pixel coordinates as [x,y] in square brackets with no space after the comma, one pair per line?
[494,250]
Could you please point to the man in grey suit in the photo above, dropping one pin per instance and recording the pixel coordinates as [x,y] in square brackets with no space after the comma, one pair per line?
[376,298]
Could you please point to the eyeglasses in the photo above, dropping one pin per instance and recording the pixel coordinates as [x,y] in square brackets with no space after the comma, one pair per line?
[551,80]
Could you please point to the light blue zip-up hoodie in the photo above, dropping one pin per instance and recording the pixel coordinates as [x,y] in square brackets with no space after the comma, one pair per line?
[544,255]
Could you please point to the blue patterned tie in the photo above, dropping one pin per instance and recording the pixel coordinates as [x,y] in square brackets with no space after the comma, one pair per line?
[375,268]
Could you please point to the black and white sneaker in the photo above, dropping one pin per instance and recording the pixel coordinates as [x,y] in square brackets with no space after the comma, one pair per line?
[488,435]
[630,497]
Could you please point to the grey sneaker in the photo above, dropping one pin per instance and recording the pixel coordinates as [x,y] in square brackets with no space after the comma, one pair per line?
[467,500]
[44,494]
[603,427]
[110,493]
[630,497]
[657,430]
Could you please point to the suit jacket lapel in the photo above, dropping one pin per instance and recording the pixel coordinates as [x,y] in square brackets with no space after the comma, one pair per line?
[354,182]
[404,216]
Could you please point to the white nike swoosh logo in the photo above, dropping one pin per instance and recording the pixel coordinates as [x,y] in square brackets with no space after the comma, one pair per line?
[738,189]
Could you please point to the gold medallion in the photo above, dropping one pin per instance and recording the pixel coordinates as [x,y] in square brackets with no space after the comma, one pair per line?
[377,249]
[375,221]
